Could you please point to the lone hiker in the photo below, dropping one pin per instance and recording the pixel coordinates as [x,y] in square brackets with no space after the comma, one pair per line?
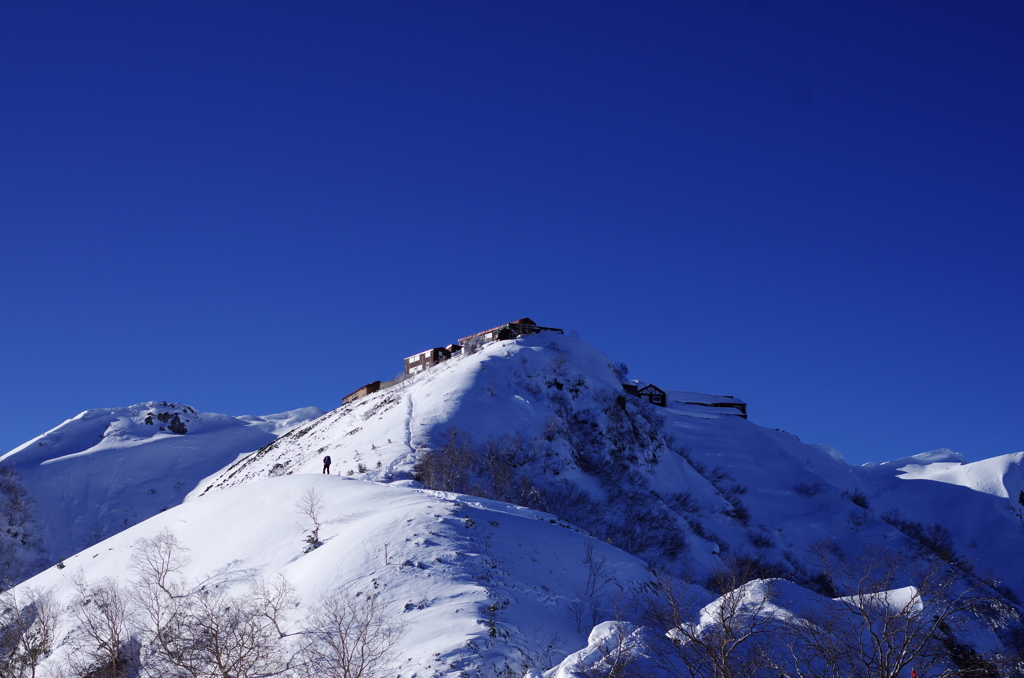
[327,465]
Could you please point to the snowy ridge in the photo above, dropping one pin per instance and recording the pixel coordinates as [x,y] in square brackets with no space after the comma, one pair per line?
[504,390]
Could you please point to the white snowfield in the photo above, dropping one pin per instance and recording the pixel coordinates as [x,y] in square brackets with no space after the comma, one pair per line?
[105,470]
[999,476]
[439,560]
[684,488]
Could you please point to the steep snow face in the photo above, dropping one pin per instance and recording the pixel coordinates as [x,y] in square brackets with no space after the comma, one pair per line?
[105,470]
[478,584]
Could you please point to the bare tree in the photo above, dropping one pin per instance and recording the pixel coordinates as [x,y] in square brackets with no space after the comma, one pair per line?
[274,601]
[350,636]
[311,505]
[230,638]
[587,604]
[202,631]
[104,619]
[211,634]
[160,594]
[155,561]
[27,631]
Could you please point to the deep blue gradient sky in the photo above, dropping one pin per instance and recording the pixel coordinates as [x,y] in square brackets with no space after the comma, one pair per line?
[253,207]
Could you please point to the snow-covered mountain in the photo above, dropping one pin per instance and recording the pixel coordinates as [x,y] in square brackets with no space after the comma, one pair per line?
[105,470]
[721,481]
[507,501]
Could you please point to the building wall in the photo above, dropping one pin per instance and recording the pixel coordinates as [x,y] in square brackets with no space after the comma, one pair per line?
[653,395]
[421,361]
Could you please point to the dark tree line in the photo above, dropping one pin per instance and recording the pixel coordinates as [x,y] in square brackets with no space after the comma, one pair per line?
[21,548]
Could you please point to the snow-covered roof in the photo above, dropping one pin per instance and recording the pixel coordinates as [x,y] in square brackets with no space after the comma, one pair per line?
[690,397]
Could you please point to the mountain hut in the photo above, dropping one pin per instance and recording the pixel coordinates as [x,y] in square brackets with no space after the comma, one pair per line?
[361,392]
[426,359]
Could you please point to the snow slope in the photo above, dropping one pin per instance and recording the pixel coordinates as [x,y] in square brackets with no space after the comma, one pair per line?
[451,567]
[793,494]
[105,470]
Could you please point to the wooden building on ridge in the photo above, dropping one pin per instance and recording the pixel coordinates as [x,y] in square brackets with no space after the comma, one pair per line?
[511,330]
[653,395]
[426,359]
[361,392]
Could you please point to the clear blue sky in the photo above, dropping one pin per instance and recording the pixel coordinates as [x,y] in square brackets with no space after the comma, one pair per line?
[253,207]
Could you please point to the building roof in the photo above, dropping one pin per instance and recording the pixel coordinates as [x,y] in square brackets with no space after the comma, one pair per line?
[690,397]
[372,383]
[521,321]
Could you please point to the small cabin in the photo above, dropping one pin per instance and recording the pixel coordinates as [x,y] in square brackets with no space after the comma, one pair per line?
[361,392]
[426,359]
[653,395]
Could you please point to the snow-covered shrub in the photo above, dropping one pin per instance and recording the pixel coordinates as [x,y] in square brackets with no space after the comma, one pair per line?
[702,532]
[573,504]
[642,525]
[683,502]
[858,519]
[449,466]
[491,470]
[498,467]
[739,512]
[741,568]
[760,540]
[856,496]
[807,489]
[621,371]
[894,612]
[934,539]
